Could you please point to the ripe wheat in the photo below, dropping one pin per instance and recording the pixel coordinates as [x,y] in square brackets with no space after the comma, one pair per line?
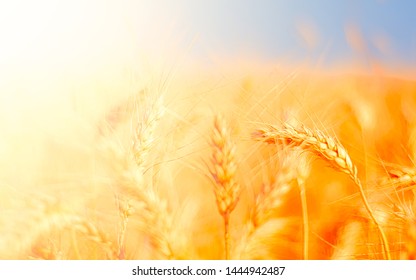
[226,188]
[324,147]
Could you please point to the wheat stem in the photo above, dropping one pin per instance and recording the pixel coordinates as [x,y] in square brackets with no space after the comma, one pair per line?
[227,235]
[305,221]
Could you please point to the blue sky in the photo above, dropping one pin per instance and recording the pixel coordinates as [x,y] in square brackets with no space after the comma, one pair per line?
[270,29]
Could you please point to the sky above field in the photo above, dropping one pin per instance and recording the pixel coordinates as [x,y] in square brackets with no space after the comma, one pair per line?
[325,30]
[320,32]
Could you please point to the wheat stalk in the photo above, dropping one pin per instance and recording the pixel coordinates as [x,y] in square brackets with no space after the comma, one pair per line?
[226,188]
[125,211]
[327,148]
[302,171]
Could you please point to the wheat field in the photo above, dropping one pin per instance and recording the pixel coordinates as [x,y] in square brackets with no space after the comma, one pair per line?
[299,166]
[106,155]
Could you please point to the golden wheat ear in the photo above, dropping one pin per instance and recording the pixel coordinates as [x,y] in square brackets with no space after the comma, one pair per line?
[403,180]
[151,210]
[226,188]
[326,148]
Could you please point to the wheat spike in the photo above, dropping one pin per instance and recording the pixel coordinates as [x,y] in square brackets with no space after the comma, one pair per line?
[326,148]
[403,178]
[129,168]
[319,143]
[226,188]
[149,114]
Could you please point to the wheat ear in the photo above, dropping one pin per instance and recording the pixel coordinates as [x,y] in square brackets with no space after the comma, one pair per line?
[227,190]
[404,178]
[326,148]
[158,219]
[149,114]
[129,168]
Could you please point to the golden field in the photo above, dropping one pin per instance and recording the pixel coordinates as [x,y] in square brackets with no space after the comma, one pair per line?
[111,152]
[156,173]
